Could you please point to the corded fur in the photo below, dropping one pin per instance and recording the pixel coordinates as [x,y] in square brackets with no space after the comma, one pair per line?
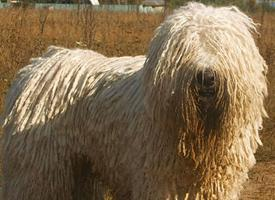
[135,122]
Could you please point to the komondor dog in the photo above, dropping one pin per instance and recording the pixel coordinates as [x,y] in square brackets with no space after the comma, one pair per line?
[180,123]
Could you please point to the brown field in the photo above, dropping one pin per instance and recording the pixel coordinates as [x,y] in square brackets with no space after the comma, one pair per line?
[27,33]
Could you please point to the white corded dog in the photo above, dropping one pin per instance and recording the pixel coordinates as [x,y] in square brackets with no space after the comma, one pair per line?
[180,123]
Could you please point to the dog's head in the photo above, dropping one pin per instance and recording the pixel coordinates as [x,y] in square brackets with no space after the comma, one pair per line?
[204,73]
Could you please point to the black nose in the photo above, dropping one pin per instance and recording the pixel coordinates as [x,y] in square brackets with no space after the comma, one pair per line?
[206,78]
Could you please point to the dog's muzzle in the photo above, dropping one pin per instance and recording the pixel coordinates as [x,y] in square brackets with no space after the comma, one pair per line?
[207,85]
[206,82]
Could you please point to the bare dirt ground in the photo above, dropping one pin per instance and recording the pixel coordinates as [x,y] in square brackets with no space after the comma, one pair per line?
[261,185]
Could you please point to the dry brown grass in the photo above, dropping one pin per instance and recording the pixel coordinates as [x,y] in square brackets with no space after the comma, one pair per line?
[26,33]
[266,43]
